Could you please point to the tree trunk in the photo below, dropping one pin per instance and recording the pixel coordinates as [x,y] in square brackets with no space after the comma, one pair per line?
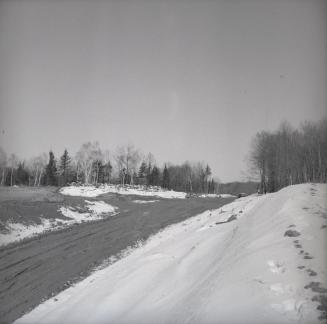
[36,176]
[97,175]
[3,177]
[40,176]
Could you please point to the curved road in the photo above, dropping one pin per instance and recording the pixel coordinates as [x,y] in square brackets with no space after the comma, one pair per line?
[35,269]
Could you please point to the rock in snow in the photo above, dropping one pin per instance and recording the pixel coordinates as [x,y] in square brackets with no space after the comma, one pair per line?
[207,270]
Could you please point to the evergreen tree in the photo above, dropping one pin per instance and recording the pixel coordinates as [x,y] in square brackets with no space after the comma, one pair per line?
[207,174]
[64,168]
[142,170]
[51,171]
[107,170]
[101,174]
[165,178]
[22,175]
[212,187]
[155,175]
[149,175]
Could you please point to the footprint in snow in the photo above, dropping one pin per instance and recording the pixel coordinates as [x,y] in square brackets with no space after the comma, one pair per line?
[322,300]
[290,307]
[292,233]
[316,287]
[311,272]
[279,288]
[276,267]
[307,256]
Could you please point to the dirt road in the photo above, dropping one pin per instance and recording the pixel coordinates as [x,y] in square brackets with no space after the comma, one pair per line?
[35,269]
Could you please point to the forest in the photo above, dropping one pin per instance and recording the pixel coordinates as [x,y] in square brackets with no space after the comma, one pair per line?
[276,159]
[92,165]
[290,156]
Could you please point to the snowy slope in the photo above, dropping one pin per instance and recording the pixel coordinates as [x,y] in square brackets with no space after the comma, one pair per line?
[232,265]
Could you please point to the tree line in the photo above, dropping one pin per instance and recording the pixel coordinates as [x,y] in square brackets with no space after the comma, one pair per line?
[290,156]
[92,165]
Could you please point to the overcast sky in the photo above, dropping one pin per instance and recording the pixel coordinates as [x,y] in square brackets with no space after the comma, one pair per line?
[186,80]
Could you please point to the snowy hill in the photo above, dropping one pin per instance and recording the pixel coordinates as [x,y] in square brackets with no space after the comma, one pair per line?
[256,260]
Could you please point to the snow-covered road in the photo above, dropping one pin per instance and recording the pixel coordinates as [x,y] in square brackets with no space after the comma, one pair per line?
[256,260]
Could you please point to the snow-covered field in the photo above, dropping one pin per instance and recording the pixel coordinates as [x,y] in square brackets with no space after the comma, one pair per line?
[256,260]
[93,210]
[91,191]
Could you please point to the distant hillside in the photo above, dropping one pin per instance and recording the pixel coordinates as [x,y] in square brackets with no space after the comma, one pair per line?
[234,188]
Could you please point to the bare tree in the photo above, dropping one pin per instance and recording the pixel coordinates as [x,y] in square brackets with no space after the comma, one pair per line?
[107,166]
[37,167]
[289,156]
[98,162]
[187,174]
[121,163]
[127,159]
[3,165]
[85,158]
[12,162]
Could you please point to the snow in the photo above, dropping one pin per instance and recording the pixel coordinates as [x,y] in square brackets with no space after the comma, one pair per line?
[91,191]
[100,207]
[96,210]
[208,268]
[217,196]
[144,201]
[83,191]
[17,231]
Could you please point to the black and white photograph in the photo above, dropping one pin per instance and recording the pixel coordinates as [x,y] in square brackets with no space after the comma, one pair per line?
[163,161]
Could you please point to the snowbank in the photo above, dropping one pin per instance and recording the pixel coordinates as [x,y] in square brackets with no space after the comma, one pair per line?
[94,210]
[18,231]
[236,264]
[144,201]
[100,207]
[91,191]
[217,196]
